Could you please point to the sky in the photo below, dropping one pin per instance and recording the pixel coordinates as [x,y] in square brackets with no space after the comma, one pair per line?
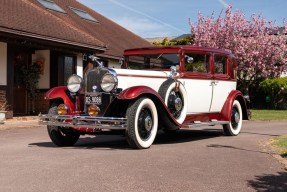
[164,18]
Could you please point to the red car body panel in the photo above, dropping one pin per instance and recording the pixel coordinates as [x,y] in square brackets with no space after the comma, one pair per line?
[61,92]
[137,91]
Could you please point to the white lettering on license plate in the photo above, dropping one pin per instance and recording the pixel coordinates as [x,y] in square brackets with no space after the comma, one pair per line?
[94,100]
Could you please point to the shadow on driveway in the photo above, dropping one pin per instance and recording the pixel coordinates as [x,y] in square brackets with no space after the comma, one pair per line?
[237,148]
[119,141]
[270,183]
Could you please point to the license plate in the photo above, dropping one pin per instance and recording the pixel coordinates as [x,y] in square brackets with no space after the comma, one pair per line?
[91,99]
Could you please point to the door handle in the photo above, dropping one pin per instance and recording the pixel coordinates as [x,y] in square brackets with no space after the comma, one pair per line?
[214,82]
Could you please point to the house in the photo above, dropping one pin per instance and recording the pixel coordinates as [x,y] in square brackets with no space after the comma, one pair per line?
[58,34]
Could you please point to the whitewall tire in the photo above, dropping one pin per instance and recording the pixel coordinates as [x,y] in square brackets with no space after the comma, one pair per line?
[233,128]
[142,123]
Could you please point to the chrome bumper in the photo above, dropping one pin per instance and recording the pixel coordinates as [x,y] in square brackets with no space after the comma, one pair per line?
[83,121]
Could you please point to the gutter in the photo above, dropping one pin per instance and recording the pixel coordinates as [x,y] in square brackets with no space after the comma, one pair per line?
[53,39]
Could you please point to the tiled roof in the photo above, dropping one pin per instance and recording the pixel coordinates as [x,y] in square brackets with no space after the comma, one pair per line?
[30,18]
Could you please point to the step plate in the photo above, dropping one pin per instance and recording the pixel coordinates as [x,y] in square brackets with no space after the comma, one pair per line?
[206,123]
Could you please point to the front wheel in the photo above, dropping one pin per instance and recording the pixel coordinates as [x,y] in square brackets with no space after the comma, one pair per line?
[61,137]
[142,123]
[235,124]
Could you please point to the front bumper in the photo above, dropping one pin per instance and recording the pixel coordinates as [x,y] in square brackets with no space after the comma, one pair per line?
[112,123]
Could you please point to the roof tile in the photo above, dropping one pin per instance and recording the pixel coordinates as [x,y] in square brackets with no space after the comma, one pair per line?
[30,17]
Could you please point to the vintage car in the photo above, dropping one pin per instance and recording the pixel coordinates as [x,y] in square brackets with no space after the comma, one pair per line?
[168,88]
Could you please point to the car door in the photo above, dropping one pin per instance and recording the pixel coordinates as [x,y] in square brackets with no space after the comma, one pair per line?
[197,81]
[222,83]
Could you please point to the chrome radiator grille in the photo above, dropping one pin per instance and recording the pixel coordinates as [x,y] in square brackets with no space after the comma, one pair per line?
[93,78]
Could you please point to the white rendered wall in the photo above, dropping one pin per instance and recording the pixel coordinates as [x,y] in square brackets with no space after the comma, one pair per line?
[3,63]
[114,64]
[44,55]
[80,65]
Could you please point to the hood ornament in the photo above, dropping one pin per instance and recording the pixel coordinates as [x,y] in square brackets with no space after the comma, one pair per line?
[97,61]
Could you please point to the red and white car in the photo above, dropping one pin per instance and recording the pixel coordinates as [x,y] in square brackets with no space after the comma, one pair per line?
[166,88]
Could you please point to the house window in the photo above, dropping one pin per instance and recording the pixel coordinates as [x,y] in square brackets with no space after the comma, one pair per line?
[83,14]
[49,4]
[69,68]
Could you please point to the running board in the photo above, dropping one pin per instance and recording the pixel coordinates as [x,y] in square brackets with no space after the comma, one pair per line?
[205,123]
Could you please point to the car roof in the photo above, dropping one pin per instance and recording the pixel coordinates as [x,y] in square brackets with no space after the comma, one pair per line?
[173,49]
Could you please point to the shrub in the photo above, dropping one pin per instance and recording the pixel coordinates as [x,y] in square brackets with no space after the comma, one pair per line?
[277,90]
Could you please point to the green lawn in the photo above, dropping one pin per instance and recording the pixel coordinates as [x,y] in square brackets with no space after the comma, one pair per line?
[268,115]
[281,144]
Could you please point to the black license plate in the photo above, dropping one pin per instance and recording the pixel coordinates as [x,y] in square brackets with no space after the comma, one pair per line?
[91,99]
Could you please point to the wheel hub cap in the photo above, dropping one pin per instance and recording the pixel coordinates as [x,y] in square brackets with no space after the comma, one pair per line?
[177,104]
[148,123]
[236,117]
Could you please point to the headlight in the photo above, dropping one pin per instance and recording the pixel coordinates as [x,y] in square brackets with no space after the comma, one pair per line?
[109,82]
[74,83]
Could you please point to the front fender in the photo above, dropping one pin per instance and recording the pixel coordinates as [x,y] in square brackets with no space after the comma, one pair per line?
[61,92]
[227,107]
[138,91]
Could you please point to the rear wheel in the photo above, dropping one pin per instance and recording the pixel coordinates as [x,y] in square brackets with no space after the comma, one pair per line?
[61,136]
[235,124]
[142,123]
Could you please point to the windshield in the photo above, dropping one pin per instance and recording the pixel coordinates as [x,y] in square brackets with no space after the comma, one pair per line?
[156,61]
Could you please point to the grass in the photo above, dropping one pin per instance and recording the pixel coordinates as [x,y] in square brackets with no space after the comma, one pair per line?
[281,144]
[268,115]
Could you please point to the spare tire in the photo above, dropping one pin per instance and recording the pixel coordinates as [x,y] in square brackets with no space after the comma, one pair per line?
[175,97]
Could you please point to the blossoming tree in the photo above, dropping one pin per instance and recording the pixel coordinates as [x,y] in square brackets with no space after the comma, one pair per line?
[259,46]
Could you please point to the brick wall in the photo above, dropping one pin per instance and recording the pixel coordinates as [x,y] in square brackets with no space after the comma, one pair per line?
[9,113]
[2,96]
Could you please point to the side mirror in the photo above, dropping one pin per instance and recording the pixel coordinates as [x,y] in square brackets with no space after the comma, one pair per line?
[188,59]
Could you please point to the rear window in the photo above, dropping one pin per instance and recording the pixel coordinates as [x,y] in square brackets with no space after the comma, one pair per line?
[220,64]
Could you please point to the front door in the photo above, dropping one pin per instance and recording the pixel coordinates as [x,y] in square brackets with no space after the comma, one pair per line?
[197,81]
[21,59]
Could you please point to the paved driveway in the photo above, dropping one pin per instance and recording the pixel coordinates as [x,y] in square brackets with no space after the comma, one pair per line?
[197,160]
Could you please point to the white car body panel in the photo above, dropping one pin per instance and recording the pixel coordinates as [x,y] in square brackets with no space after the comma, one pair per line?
[129,78]
[199,93]
[221,90]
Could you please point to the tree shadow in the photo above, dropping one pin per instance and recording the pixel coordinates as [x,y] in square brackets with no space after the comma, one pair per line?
[270,183]
[273,135]
[237,148]
[119,141]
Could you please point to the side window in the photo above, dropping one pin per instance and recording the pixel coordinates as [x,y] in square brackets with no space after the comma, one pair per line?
[196,62]
[220,64]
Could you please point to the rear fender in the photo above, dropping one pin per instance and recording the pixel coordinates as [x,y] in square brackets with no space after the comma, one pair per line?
[227,107]
[61,93]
